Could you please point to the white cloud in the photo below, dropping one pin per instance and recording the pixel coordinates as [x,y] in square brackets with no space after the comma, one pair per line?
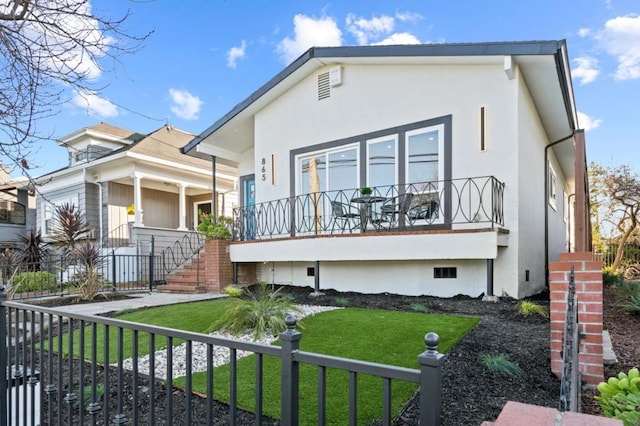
[620,37]
[53,31]
[94,104]
[587,122]
[586,69]
[236,53]
[185,105]
[366,29]
[400,38]
[309,32]
[409,17]
[583,32]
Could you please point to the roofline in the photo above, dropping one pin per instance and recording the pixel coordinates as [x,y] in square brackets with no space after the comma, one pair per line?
[544,47]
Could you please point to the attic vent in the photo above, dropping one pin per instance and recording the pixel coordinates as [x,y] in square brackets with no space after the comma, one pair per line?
[324,89]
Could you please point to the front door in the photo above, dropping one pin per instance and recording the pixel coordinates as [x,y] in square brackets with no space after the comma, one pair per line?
[249,191]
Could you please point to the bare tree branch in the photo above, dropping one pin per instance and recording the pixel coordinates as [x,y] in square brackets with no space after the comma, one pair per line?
[51,50]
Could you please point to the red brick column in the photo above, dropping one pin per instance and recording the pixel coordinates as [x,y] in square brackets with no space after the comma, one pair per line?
[218,270]
[588,280]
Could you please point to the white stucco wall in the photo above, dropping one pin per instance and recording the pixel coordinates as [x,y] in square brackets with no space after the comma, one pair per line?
[397,277]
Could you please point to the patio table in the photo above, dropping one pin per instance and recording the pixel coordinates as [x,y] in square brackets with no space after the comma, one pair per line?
[366,202]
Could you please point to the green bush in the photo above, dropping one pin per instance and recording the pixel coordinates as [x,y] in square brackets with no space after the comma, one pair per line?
[233,291]
[620,397]
[264,311]
[609,278]
[527,307]
[500,364]
[215,229]
[33,281]
[633,304]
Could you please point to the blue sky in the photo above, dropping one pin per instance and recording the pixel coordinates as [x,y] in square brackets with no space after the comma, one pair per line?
[205,56]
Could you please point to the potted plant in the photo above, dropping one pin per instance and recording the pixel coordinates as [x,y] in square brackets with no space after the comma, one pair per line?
[212,228]
[366,191]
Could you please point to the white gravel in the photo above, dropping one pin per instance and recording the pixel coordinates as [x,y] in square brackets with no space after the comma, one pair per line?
[199,351]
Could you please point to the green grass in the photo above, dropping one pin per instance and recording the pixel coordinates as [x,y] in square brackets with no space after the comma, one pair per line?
[380,336]
[388,337]
[195,316]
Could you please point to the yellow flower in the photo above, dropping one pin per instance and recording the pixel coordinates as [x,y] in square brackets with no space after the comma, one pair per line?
[131,209]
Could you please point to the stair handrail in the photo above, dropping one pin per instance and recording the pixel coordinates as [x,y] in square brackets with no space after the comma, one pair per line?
[181,251]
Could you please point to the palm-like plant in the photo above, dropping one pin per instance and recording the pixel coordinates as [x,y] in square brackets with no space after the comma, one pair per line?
[9,263]
[69,226]
[35,250]
[89,282]
[263,311]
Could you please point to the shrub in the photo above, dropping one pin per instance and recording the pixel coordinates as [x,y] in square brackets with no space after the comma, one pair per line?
[212,229]
[419,307]
[264,311]
[609,278]
[633,305]
[527,307]
[233,291]
[341,301]
[89,282]
[500,364]
[33,281]
[620,397]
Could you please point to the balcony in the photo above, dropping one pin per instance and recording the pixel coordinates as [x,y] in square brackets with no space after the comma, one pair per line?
[456,204]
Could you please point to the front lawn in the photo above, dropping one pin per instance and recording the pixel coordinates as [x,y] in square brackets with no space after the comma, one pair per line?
[381,336]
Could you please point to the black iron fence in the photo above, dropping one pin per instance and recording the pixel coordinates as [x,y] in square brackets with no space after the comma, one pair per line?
[51,375]
[468,202]
[570,380]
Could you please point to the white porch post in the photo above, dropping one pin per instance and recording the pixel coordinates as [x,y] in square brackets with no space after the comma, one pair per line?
[137,201]
[183,208]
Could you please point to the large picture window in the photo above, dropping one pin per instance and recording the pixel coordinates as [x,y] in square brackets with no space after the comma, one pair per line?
[382,161]
[424,148]
[330,170]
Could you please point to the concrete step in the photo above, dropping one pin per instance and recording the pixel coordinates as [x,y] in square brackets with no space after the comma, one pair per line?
[519,414]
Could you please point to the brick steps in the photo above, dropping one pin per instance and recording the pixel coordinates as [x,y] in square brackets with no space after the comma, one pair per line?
[519,414]
[188,278]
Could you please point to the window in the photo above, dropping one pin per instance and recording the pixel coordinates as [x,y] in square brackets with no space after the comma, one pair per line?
[49,208]
[552,187]
[382,155]
[565,206]
[12,213]
[329,171]
[445,272]
[424,147]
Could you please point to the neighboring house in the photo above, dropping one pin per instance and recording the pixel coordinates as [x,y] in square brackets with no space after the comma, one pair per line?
[17,209]
[472,152]
[111,169]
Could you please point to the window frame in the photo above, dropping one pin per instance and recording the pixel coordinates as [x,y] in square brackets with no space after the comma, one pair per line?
[552,188]
[395,137]
[48,209]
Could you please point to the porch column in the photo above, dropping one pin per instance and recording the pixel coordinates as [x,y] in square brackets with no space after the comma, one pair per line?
[137,200]
[214,198]
[183,208]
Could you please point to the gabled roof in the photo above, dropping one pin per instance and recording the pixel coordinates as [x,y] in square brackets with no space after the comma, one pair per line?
[104,130]
[544,65]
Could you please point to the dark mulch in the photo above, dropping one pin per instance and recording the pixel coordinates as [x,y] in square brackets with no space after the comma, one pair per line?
[470,393]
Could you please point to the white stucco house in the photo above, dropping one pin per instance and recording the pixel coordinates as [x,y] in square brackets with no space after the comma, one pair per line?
[472,153]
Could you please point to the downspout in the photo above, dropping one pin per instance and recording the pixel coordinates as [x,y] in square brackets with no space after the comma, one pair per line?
[84,178]
[546,203]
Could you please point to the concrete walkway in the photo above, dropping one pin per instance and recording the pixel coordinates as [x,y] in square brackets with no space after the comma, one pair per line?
[137,301]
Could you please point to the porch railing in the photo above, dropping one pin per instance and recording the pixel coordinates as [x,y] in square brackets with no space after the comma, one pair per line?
[53,376]
[467,202]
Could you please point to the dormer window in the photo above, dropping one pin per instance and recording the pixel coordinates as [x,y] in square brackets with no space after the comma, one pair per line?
[82,156]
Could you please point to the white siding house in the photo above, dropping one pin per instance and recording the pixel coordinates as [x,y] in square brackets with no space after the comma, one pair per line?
[469,150]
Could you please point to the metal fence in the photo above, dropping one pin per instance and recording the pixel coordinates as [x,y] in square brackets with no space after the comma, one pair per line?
[52,376]
[468,202]
[570,380]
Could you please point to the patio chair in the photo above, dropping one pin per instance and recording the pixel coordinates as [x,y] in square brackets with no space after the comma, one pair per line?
[394,211]
[425,211]
[347,216]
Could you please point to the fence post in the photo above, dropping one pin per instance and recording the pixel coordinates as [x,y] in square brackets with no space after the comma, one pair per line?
[431,381]
[151,265]
[290,340]
[3,360]
[113,270]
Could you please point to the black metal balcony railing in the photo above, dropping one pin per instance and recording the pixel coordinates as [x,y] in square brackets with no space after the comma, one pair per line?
[423,205]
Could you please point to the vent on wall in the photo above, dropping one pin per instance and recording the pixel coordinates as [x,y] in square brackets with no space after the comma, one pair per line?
[324,89]
[446,272]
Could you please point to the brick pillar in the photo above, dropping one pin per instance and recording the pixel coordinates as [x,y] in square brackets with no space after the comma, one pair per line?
[588,280]
[218,270]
